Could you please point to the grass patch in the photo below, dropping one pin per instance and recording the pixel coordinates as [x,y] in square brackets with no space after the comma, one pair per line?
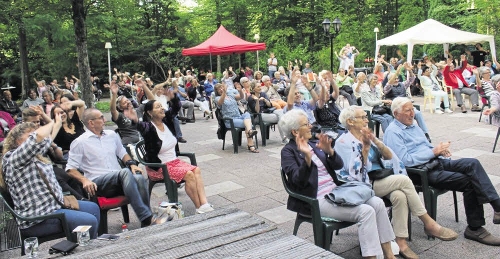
[102,106]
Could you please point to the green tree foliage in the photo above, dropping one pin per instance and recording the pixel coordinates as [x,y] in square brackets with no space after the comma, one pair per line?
[149,35]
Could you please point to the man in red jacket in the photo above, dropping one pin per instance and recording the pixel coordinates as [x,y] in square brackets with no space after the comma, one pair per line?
[454,78]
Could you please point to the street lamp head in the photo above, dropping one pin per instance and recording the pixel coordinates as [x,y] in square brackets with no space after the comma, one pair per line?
[326,25]
[256,37]
[107,45]
[336,25]
[376,30]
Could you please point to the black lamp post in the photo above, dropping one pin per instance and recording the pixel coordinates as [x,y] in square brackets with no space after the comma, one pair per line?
[336,29]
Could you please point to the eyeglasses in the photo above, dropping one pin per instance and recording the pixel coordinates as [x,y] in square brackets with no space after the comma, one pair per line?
[298,93]
[361,117]
[98,118]
[306,125]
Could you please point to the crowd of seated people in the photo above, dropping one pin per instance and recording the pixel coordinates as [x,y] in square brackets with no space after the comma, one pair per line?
[297,102]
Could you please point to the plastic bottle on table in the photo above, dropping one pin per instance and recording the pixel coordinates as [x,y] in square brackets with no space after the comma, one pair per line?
[124,228]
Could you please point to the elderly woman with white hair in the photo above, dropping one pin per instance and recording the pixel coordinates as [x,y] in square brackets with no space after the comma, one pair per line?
[483,82]
[494,102]
[362,153]
[209,84]
[310,168]
[371,98]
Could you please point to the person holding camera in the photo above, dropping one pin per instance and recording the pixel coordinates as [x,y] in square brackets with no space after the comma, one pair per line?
[228,77]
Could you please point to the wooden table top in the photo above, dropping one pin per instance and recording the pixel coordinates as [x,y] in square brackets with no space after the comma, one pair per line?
[223,233]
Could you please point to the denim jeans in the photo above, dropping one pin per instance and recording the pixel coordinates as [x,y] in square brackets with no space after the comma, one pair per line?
[177,127]
[89,214]
[467,175]
[420,120]
[133,186]
[384,119]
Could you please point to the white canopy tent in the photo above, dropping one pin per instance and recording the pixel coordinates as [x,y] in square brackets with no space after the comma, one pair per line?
[434,32]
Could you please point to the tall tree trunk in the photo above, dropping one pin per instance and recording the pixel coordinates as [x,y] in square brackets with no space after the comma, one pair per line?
[23,53]
[81,48]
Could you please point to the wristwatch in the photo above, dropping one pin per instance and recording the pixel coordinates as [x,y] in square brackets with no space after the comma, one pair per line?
[130,162]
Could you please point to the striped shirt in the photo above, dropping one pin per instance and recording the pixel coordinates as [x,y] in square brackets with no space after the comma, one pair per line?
[325,180]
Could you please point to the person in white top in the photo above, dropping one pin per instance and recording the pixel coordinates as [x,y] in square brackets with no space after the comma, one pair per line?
[272,65]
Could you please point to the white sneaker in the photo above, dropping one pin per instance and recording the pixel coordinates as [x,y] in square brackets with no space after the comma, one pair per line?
[438,111]
[207,207]
[447,110]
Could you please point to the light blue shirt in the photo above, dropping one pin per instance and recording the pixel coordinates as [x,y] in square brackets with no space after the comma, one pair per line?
[306,107]
[96,156]
[409,143]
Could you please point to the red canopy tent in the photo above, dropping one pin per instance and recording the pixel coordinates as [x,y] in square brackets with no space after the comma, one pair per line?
[222,42]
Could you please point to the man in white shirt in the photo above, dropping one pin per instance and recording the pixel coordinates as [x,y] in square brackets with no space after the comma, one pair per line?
[95,153]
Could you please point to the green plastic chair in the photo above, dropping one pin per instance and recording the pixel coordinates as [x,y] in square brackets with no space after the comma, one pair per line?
[9,204]
[170,185]
[421,183]
[265,127]
[323,227]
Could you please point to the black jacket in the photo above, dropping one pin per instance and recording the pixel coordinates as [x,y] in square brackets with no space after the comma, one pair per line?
[303,179]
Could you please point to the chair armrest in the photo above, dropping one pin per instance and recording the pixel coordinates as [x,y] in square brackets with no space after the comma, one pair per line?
[191,156]
[230,120]
[424,180]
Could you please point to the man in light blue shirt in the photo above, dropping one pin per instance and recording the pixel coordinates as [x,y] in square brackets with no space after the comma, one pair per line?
[294,99]
[465,175]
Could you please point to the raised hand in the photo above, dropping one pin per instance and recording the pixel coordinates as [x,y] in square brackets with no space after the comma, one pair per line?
[325,143]
[367,136]
[113,87]
[139,83]
[302,145]
[58,119]
[38,109]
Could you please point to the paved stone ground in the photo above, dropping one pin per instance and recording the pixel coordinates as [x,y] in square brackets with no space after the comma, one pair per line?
[251,182]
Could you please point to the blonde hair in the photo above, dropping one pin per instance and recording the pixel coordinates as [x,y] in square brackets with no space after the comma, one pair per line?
[10,143]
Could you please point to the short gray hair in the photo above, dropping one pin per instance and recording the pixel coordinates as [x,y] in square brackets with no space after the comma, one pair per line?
[244,79]
[483,70]
[265,78]
[348,113]
[398,103]
[87,116]
[495,80]
[370,77]
[290,121]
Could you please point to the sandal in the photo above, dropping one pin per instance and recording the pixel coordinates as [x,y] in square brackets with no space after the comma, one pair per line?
[251,133]
[253,149]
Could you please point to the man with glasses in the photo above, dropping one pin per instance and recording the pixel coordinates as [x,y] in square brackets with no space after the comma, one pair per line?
[295,98]
[35,114]
[395,88]
[465,175]
[95,153]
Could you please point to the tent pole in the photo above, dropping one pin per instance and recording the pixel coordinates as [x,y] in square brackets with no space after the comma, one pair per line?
[211,62]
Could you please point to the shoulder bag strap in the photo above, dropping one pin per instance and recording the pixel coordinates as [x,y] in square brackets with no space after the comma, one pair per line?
[48,186]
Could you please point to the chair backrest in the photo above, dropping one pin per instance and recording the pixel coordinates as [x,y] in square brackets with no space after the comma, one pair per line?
[7,199]
[10,236]
[221,131]
[140,150]
[284,179]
